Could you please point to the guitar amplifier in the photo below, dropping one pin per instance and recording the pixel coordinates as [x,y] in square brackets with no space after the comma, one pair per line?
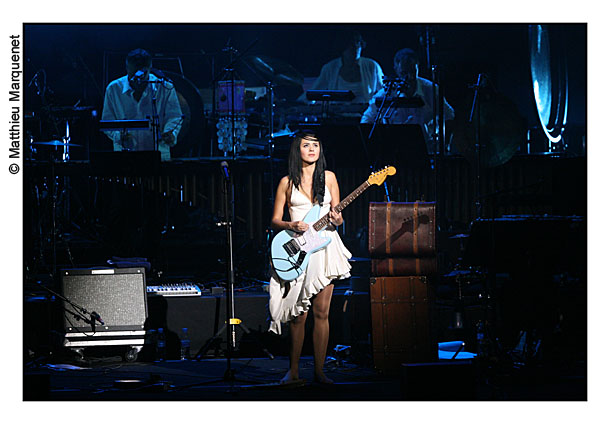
[117,296]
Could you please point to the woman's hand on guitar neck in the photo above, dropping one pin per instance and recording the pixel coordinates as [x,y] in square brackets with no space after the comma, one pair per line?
[335,218]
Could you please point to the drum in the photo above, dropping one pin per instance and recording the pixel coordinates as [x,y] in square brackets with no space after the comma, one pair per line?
[191,136]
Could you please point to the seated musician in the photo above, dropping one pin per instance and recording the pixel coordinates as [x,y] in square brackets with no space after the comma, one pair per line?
[408,85]
[131,97]
[351,71]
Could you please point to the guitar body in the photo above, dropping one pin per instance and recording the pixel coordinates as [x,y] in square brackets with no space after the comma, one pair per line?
[290,251]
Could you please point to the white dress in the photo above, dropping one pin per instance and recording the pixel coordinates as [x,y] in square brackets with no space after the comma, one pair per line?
[325,265]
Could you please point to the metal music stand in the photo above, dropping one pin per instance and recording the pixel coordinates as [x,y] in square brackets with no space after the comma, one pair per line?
[401,102]
[327,96]
[123,125]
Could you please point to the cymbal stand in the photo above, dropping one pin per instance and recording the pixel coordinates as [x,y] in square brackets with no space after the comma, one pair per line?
[270,91]
[476,108]
[489,306]
[429,41]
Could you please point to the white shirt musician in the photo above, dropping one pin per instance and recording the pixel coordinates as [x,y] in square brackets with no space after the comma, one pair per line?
[410,85]
[131,98]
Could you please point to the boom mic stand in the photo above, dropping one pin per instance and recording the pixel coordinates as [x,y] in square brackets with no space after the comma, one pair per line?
[79,312]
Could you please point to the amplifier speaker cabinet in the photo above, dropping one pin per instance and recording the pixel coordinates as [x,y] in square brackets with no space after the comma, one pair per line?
[118,296]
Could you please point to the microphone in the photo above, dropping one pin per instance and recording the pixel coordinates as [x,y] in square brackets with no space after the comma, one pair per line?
[225,169]
[138,77]
[97,317]
[160,74]
[387,80]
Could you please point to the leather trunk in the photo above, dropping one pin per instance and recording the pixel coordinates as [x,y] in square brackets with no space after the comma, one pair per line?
[400,322]
[402,229]
[390,267]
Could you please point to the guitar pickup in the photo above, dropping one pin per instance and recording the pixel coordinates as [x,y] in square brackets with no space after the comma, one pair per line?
[291,247]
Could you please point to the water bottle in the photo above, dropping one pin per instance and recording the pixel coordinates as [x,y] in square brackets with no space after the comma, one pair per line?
[160,344]
[150,344]
[185,345]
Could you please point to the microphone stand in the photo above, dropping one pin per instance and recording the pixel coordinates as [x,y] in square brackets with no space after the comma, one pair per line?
[231,320]
[80,312]
[376,121]
[155,124]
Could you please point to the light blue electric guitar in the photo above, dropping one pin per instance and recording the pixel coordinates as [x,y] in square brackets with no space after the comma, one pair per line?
[290,251]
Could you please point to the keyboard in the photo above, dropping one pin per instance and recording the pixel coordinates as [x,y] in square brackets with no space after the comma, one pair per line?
[177,289]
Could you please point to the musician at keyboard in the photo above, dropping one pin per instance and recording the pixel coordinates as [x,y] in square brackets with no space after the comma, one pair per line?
[408,85]
[362,75]
[131,98]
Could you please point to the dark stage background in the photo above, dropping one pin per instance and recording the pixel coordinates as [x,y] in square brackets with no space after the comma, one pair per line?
[76,61]
[73,55]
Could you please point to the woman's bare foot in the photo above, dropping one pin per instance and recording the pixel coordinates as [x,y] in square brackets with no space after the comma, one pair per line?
[289,378]
[322,379]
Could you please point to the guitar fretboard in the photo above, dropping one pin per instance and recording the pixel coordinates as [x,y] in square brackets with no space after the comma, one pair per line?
[322,223]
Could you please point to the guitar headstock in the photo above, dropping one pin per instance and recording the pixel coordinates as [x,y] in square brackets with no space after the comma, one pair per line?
[380,176]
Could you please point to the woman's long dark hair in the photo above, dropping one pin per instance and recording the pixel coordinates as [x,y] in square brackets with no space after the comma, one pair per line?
[295,166]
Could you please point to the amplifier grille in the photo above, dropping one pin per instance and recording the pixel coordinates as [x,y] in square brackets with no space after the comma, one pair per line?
[119,299]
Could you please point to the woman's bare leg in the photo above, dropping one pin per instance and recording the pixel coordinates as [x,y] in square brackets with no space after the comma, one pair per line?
[297,335]
[321,309]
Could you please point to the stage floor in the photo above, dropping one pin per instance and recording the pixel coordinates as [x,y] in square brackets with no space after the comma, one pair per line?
[256,379]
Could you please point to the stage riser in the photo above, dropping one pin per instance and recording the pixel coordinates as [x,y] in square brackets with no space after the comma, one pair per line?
[204,317]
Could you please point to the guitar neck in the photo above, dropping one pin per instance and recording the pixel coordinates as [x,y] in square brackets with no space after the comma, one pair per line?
[321,223]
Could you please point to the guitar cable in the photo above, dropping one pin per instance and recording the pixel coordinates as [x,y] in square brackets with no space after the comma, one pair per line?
[294,264]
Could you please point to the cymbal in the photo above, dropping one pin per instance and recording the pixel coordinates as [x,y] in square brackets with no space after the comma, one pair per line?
[501,130]
[459,236]
[55,143]
[71,111]
[276,70]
